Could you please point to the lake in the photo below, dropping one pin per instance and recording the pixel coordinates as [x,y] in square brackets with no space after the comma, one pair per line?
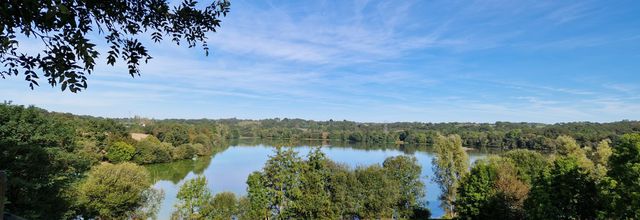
[228,169]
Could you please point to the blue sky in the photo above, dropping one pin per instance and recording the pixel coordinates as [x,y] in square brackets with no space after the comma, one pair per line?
[382,61]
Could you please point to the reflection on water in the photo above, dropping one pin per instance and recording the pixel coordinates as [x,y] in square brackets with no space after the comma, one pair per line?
[228,169]
[176,171]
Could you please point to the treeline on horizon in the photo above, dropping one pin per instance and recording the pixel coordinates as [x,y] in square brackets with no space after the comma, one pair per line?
[503,135]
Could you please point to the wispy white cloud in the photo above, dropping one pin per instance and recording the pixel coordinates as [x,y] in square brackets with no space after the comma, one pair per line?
[379,60]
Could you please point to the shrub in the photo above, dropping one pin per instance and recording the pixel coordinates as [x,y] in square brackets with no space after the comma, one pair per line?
[120,152]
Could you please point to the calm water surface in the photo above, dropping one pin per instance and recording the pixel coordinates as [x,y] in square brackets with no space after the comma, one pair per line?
[228,170]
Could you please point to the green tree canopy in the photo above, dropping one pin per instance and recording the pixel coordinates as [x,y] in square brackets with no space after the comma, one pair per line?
[450,164]
[120,152]
[625,177]
[194,197]
[68,55]
[406,171]
[37,152]
[530,164]
[565,191]
[114,191]
[492,190]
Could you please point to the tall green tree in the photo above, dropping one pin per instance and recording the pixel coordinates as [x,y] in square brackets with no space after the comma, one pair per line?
[114,191]
[624,173]
[193,199]
[259,200]
[283,181]
[406,171]
[315,202]
[475,191]
[344,189]
[69,56]
[450,164]
[600,158]
[566,191]
[379,194]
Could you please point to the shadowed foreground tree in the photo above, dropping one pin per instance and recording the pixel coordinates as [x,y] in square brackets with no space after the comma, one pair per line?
[68,56]
[37,154]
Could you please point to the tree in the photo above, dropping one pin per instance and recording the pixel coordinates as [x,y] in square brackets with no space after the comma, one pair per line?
[378,194]
[318,188]
[194,197]
[567,146]
[601,158]
[492,190]
[120,152]
[69,55]
[565,191]
[283,181]
[450,164]
[315,202]
[406,171]
[475,191]
[184,151]
[624,172]
[344,189]
[151,150]
[114,191]
[259,200]
[150,206]
[530,164]
[37,153]
[222,206]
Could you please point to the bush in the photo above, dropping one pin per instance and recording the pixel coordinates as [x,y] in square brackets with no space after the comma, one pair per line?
[113,191]
[120,152]
[151,150]
[201,150]
[184,151]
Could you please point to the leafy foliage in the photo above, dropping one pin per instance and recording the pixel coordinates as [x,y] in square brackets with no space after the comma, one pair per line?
[193,197]
[504,135]
[114,191]
[290,187]
[151,150]
[492,189]
[530,164]
[406,171]
[450,164]
[566,191]
[120,152]
[37,152]
[69,55]
[624,190]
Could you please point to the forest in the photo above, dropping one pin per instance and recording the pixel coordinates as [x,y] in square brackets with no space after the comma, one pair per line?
[62,166]
[503,135]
